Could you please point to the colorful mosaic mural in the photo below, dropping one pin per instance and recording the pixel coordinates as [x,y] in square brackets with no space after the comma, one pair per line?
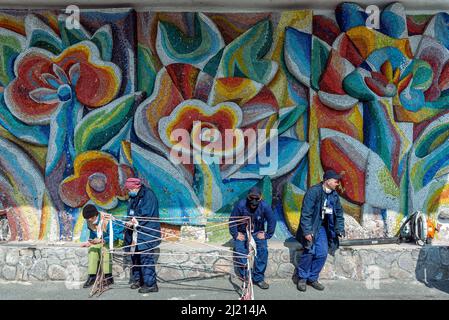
[83,109]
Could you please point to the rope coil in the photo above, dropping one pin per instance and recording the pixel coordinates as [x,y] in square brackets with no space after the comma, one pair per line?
[100,284]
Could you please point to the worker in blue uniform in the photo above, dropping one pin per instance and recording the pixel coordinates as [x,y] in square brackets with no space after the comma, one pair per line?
[142,235]
[259,213]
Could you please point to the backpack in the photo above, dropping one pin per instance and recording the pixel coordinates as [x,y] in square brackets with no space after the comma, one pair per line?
[414,229]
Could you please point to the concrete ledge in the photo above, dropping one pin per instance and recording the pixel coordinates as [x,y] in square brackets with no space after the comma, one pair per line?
[65,261]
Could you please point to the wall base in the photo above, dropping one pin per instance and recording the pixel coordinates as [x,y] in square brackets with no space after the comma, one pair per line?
[45,262]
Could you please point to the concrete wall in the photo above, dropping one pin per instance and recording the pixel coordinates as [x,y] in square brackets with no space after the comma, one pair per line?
[82,109]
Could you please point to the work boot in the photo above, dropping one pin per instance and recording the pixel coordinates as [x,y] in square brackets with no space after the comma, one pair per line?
[262,284]
[108,279]
[135,285]
[295,278]
[90,281]
[316,285]
[301,285]
[147,289]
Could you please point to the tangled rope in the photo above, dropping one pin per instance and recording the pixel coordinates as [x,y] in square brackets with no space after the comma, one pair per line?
[100,285]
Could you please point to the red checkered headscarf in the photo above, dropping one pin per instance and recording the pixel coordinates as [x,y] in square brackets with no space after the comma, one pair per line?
[133,183]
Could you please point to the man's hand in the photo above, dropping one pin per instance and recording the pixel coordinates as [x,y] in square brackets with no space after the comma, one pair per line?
[260,235]
[86,244]
[309,237]
[131,223]
[240,236]
[96,241]
[341,234]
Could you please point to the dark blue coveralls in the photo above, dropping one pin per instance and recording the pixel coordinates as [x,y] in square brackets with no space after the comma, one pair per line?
[262,214]
[324,227]
[144,205]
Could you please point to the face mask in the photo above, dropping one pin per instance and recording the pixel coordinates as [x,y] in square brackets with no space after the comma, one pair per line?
[253,202]
[327,190]
[97,219]
[132,194]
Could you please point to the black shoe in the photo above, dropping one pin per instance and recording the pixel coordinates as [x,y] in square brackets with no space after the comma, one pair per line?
[316,285]
[262,285]
[90,281]
[135,285]
[146,289]
[301,285]
[295,279]
[108,279]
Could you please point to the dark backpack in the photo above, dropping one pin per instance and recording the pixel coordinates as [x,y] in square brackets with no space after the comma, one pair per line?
[414,229]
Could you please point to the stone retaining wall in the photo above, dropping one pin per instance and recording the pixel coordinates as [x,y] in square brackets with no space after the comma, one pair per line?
[39,262]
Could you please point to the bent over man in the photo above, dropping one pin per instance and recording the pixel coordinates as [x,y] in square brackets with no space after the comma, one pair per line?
[259,212]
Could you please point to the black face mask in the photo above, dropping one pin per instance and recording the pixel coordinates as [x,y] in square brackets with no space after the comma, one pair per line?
[252,202]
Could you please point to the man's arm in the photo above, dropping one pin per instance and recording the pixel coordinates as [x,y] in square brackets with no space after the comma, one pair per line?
[235,214]
[150,212]
[340,220]
[308,205]
[271,221]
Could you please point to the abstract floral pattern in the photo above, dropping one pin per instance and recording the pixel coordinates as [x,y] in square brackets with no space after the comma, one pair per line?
[83,109]
[97,177]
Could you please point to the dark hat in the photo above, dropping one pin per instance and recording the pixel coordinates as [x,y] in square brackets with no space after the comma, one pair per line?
[331,174]
[89,211]
[254,191]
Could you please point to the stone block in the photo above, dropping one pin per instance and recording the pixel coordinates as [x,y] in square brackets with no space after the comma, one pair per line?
[374,272]
[348,267]
[193,233]
[406,262]
[385,259]
[39,270]
[285,256]
[9,272]
[26,261]
[220,267]
[71,254]
[26,252]
[83,261]
[210,258]
[12,257]
[22,273]
[3,251]
[400,274]
[328,272]
[80,252]
[56,272]
[367,257]
[272,268]
[285,270]
[170,274]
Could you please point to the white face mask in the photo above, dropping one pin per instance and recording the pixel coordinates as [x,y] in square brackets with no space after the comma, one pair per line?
[326,189]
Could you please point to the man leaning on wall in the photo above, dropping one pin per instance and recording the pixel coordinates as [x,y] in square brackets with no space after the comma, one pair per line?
[320,226]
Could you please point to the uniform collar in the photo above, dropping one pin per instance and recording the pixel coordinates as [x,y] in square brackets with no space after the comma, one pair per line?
[323,188]
[141,193]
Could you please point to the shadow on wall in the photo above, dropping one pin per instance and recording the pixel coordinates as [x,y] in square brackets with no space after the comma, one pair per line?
[432,268]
